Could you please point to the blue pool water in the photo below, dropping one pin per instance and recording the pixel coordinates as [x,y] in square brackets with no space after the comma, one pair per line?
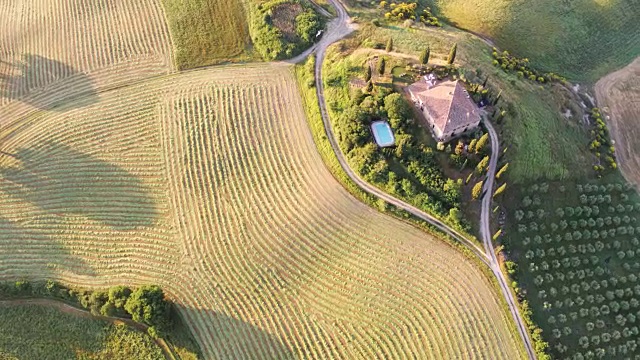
[382,133]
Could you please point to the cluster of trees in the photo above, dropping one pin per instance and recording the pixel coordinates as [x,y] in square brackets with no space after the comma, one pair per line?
[428,18]
[399,11]
[474,150]
[271,42]
[146,304]
[539,344]
[410,169]
[408,11]
[509,62]
[582,262]
[593,188]
[600,145]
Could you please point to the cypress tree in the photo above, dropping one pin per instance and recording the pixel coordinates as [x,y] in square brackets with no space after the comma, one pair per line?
[472,145]
[497,98]
[367,73]
[500,190]
[424,56]
[452,54]
[468,179]
[389,47]
[381,66]
[482,142]
[477,190]
[502,170]
[369,87]
[484,84]
[482,164]
[500,116]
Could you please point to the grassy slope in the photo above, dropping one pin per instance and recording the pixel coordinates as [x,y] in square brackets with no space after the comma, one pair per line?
[38,332]
[206,32]
[582,39]
[540,141]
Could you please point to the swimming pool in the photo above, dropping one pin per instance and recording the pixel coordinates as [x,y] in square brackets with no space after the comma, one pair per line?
[382,133]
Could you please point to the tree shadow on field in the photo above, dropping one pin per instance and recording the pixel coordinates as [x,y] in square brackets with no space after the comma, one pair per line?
[27,252]
[230,338]
[63,181]
[65,87]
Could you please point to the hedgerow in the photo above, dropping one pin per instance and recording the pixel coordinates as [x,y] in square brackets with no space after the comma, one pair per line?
[145,305]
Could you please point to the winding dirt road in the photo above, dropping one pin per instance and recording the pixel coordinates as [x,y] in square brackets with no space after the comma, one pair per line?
[485,233]
[340,27]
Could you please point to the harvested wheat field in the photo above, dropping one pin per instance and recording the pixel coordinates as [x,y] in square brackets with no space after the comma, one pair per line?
[618,94]
[86,43]
[208,183]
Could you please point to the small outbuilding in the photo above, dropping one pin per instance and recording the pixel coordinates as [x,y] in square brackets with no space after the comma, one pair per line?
[446,105]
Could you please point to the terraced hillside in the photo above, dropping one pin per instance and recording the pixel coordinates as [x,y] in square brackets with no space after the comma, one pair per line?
[208,183]
[81,41]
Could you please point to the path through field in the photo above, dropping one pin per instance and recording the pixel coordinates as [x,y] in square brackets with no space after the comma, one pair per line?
[618,94]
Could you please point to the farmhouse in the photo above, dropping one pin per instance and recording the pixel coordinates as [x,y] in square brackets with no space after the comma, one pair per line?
[446,105]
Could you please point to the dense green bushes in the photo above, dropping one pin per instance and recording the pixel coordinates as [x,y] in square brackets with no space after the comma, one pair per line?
[509,62]
[410,169]
[601,145]
[146,304]
[408,11]
[283,28]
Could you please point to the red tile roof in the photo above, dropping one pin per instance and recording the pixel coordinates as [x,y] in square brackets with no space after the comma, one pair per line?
[448,103]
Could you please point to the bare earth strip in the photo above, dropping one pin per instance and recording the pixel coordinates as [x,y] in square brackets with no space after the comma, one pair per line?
[209,184]
[618,94]
[43,42]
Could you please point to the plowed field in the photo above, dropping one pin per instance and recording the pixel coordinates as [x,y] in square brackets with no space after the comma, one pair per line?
[619,95]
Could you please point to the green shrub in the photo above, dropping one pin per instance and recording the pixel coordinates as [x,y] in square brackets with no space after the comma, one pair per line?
[270,42]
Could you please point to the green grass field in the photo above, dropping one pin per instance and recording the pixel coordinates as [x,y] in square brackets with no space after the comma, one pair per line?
[206,32]
[40,332]
[581,39]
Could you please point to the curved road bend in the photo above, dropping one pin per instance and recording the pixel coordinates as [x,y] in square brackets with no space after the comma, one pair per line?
[338,29]
[485,233]
[341,27]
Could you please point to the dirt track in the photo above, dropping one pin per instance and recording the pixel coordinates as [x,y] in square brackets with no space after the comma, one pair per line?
[618,94]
